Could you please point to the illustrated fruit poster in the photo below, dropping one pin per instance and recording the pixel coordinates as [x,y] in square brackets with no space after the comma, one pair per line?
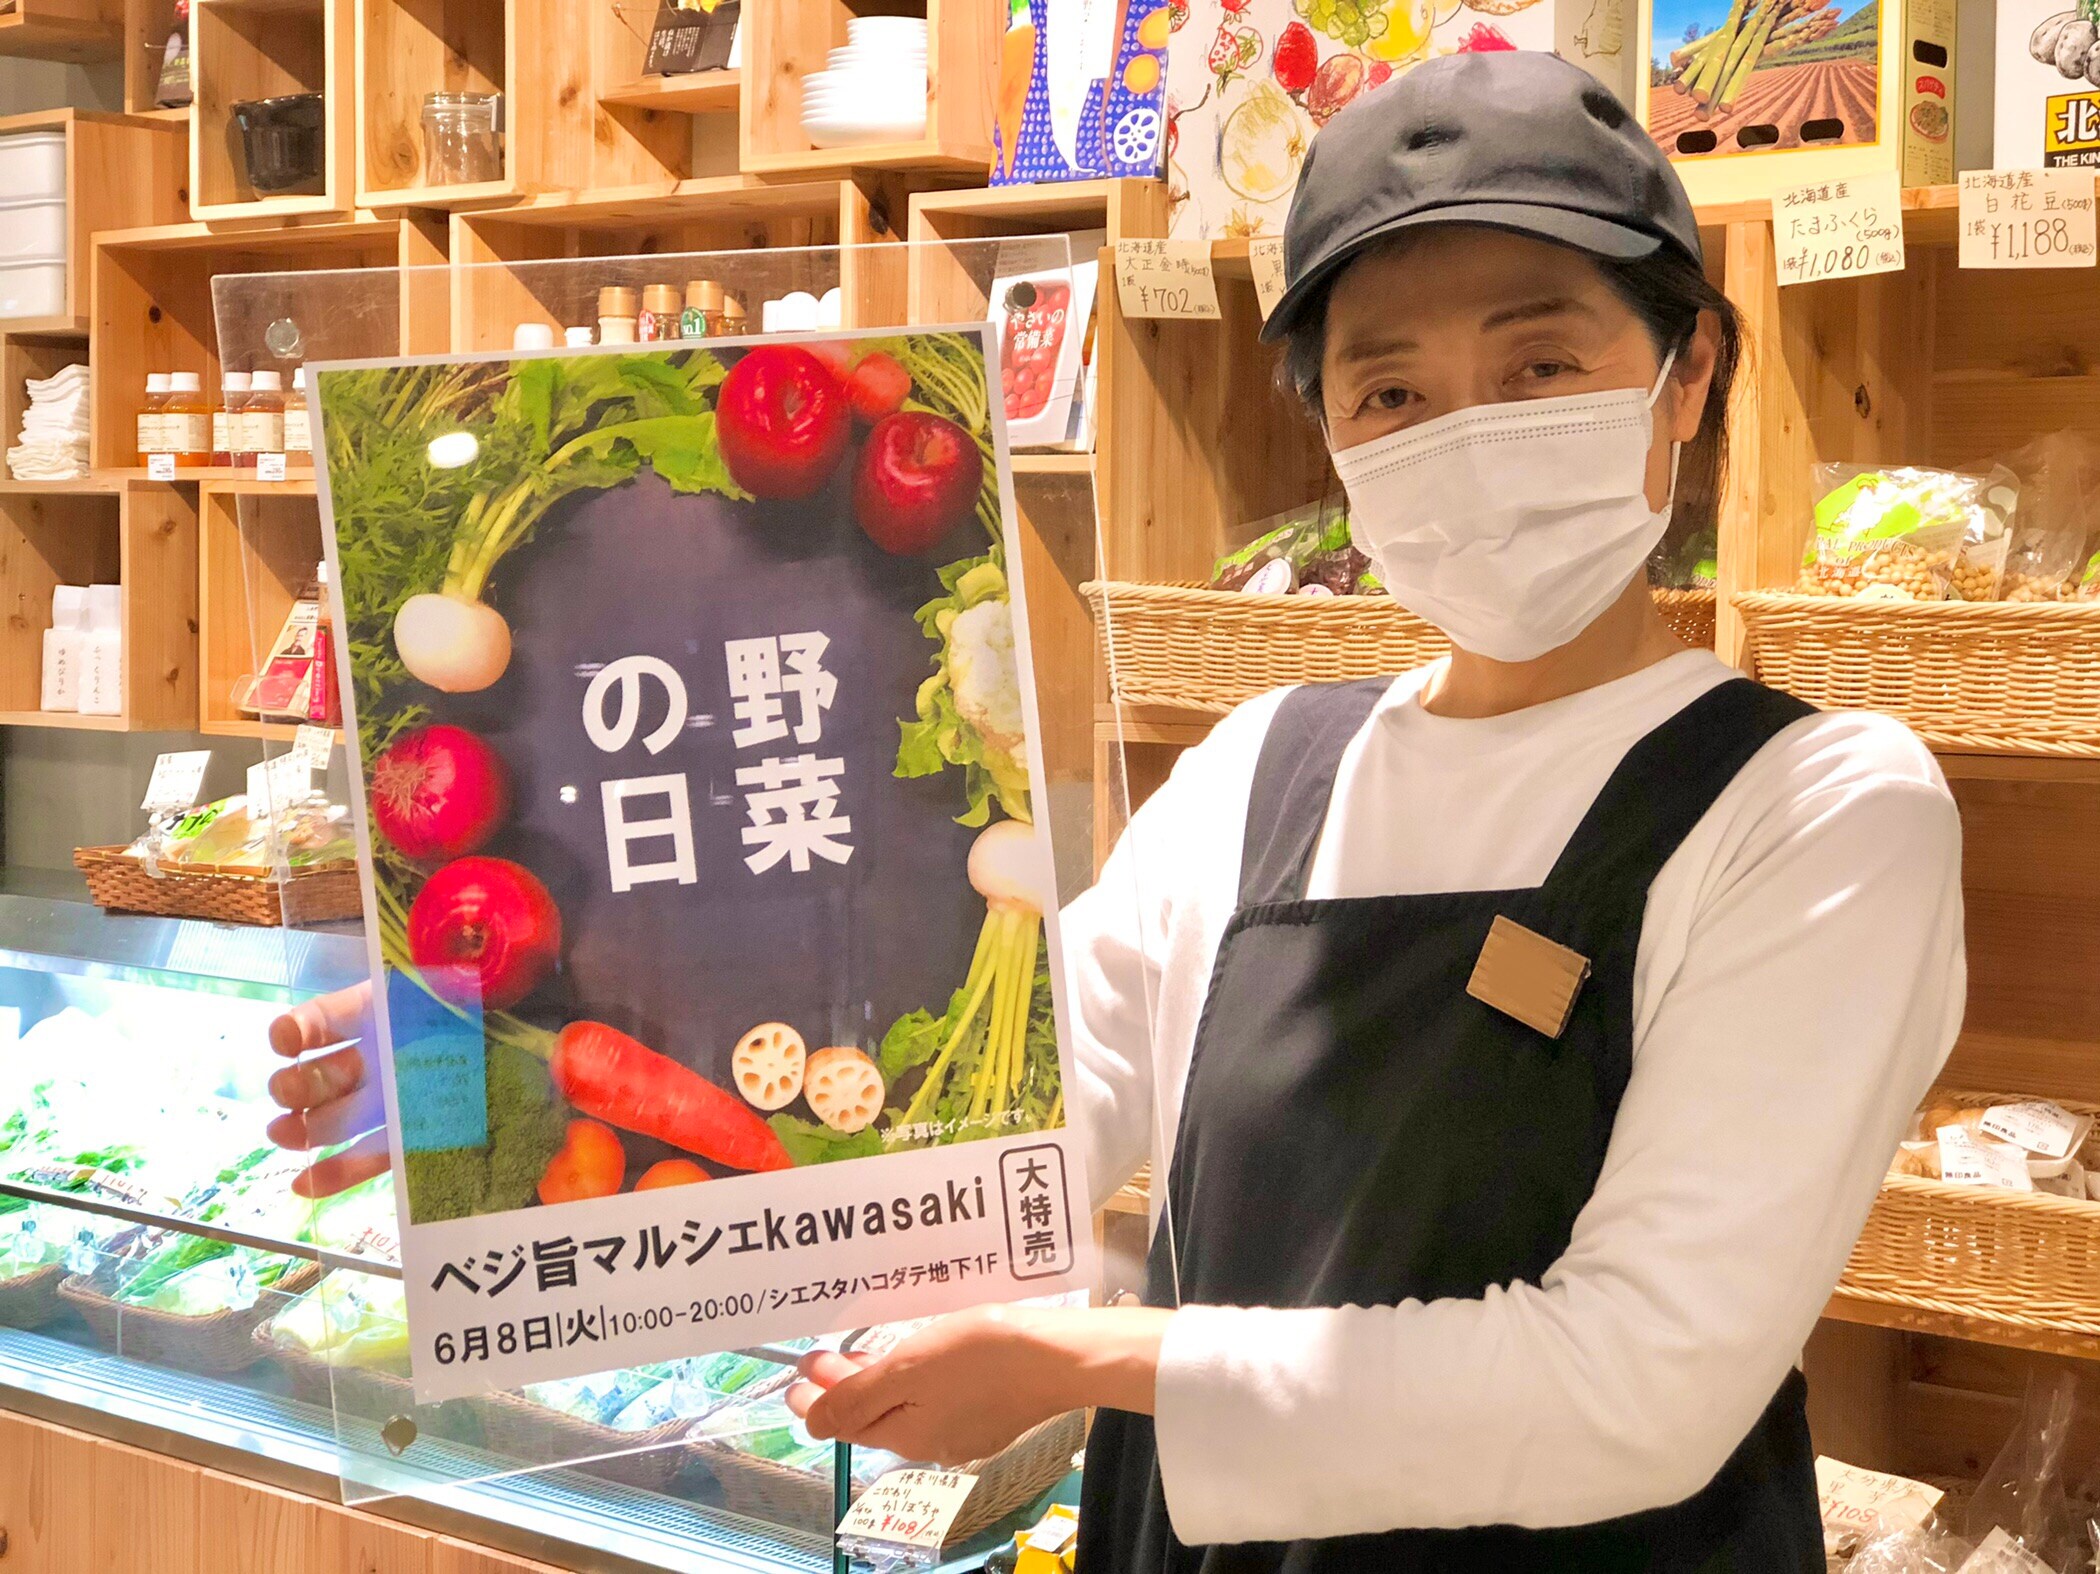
[1249,82]
[691,705]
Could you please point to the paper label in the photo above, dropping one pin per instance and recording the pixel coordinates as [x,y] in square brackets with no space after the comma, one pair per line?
[160,467]
[1055,1533]
[314,745]
[2001,1553]
[1966,1162]
[269,467]
[277,783]
[909,1508]
[177,779]
[2037,1125]
[1166,278]
[2027,218]
[1265,257]
[1854,1501]
[1839,229]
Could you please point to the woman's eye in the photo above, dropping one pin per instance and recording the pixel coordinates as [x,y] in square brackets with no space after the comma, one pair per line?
[1388,399]
[1542,371]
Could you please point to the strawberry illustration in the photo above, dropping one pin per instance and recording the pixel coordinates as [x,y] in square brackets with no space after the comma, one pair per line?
[1381,73]
[1234,7]
[1296,59]
[1177,14]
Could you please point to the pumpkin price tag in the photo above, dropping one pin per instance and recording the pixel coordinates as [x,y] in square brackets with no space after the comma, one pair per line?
[1839,229]
[177,779]
[908,1508]
[1265,257]
[2027,218]
[1166,278]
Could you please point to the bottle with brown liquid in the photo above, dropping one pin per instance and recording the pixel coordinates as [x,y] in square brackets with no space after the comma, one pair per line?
[185,421]
[225,439]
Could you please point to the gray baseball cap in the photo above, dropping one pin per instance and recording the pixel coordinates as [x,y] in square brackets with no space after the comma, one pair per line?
[1517,139]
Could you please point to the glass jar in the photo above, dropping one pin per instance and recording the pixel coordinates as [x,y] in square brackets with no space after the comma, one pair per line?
[461,145]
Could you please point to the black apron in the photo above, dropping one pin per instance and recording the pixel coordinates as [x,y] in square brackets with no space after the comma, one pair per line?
[1358,1130]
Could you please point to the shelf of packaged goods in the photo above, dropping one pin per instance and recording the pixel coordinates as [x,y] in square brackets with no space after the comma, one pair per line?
[694,93]
[48,925]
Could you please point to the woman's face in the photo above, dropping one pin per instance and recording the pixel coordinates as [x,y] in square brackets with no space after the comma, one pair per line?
[1458,315]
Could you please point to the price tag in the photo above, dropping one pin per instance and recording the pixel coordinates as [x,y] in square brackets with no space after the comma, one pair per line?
[909,1508]
[2037,1125]
[177,779]
[314,745]
[1839,229]
[1855,1501]
[278,782]
[160,467]
[2001,1553]
[269,467]
[1166,278]
[1265,257]
[1966,1162]
[2027,218]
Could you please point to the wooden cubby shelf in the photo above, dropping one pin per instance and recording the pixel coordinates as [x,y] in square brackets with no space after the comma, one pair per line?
[782,44]
[121,171]
[247,50]
[141,537]
[258,543]
[77,31]
[154,305]
[694,93]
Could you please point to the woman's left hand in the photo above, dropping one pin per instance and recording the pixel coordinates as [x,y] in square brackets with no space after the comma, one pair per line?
[969,1384]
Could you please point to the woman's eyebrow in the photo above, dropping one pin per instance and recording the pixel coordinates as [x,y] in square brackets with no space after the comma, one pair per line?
[1532,311]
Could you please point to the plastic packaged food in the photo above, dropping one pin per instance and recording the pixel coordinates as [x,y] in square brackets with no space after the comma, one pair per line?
[2059,480]
[225,834]
[1893,533]
[1307,546]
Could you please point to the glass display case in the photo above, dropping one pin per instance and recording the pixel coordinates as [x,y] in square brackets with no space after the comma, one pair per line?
[156,1272]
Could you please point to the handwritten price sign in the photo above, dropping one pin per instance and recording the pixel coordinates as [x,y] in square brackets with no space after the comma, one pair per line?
[1265,258]
[1166,278]
[908,1508]
[1839,229]
[2027,218]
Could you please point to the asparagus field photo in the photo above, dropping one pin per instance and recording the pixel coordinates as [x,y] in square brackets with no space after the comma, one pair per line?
[1755,73]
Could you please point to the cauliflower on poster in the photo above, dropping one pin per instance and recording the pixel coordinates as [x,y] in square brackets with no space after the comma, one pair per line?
[969,712]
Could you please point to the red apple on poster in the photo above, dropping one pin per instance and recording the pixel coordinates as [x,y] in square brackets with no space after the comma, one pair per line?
[783,421]
[918,478]
[483,931]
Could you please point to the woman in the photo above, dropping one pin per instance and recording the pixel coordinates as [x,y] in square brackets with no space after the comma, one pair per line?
[1521,1039]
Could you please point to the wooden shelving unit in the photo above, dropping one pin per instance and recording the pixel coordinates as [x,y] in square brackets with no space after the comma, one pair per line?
[243,50]
[77,31]
[695,93]
[141,537]
[789,42]
[258,543]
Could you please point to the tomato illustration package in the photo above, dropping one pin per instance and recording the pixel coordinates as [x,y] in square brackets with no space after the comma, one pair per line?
[1249,82]
[691,702]
[1042,321]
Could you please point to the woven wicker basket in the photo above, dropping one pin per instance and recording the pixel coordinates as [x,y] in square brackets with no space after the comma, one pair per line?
[323,893]
[535,1435]
[1013,1478]
[1192,648]
[369,1395]
[1976,676]
[30,1300]
[2028,1261]
[217,1344]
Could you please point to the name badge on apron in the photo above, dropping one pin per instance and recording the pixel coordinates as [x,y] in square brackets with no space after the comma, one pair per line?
[1524,975]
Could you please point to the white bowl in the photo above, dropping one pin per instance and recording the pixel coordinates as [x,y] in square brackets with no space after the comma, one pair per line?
[870,29]
[839,130]
[854,58]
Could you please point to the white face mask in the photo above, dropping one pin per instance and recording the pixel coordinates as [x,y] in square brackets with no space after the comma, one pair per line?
[1511,527]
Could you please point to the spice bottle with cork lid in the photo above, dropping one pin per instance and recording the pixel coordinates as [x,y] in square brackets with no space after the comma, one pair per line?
[703,309]
[659,319]
[616,314]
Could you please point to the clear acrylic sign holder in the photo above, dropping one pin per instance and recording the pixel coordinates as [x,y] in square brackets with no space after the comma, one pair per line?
[678,1463]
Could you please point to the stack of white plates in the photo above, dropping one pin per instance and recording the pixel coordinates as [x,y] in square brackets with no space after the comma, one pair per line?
[875,89]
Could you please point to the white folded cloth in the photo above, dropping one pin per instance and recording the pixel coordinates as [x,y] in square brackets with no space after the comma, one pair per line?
[53,442]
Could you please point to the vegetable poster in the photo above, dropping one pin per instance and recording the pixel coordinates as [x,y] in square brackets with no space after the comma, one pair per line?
[693,713]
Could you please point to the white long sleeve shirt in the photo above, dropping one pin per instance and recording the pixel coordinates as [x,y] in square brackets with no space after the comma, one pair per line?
[1799,982]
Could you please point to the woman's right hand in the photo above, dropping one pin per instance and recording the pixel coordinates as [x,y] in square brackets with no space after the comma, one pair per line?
[329,1099]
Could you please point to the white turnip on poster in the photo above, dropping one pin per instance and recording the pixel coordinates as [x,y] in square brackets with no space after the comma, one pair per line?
[696,773]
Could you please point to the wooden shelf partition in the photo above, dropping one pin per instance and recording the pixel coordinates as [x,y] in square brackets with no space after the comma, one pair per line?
[142,537]
[244,50]
[121,171]
[771,226]
[77,31]
[258,544]
[785,43]
[154,305]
